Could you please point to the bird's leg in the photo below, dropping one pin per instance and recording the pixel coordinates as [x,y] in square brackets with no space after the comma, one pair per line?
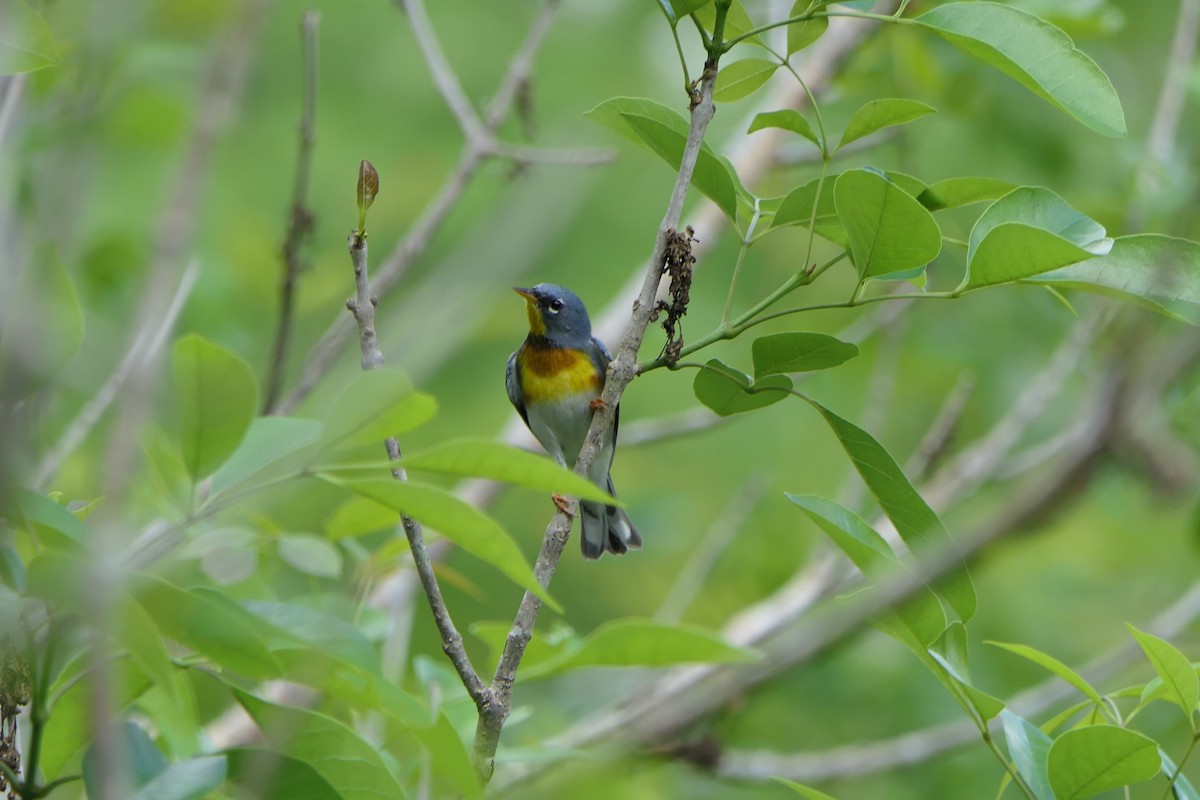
[562,503]
[597,404]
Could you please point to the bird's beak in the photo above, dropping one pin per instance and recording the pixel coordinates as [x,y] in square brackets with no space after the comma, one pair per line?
[526,293]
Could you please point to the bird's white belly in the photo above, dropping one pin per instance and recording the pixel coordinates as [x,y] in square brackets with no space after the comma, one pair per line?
[562,425]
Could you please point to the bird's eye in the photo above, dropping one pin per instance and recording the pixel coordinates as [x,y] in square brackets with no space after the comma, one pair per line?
[556,305]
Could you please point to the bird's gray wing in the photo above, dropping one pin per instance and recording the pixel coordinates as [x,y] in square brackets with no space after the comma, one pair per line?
[601,358]
[512,381]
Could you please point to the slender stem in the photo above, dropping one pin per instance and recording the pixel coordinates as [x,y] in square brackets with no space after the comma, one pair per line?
[1179,767]
[687,80]
[1016,776]
[805,17]
[52,785]
[747,240]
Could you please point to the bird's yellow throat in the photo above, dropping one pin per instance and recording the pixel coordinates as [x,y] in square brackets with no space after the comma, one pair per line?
[537,326]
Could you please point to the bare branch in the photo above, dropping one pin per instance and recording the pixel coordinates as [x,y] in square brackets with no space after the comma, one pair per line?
[444,77]
[300,218]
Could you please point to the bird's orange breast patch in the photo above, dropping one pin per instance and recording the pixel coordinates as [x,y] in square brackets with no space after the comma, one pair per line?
[552,373]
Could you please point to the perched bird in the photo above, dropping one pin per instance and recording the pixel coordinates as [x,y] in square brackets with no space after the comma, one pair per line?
[554,381]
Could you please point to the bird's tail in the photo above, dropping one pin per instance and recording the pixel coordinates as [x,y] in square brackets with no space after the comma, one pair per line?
[606,528]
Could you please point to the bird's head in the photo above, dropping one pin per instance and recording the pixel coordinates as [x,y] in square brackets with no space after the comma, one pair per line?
[556,314]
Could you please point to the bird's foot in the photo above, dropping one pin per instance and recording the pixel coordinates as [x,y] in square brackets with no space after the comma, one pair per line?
[562,503]
[597,404]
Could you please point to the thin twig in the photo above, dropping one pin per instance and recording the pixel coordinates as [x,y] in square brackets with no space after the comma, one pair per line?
[145,348]
[362,307]
[332,343]
[300,218]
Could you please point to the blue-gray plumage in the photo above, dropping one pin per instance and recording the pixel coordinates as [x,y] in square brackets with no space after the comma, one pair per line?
[553,379]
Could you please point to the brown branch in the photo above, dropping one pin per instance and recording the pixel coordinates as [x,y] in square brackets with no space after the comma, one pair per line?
[300,218]
[362,307]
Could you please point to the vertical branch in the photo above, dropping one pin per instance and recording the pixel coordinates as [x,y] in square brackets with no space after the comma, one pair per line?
[300,218]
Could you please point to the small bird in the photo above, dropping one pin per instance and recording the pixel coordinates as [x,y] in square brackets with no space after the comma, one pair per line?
[554,381]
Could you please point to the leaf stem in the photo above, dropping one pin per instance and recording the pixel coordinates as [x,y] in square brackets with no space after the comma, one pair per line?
[809,15]
[747,240]
[1179,767]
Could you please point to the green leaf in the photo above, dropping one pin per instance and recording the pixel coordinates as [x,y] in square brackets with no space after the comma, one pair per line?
[142,759]
[1053,665]
[310,554]
[950,651]
[271,775]
[676,10]
[889,231]
[728,391]
[799,352]
[42,325]
[737,21]
[476,458]
[648,643]
[320,630]
[1088,761]
[915,521]
[1034,53]
[955,192]
[222,632]
[358,516]
[1043,209]
[350,764]
[789,120]
[217,397]
[271,446]
[879,114]
[1028,747]
[450,757]
[1161,270]
[1182,788]
[543,646]
[460,522]
[69,726]
[742,78]
[799,788]
[373,407]
[801,34]
[711,176]
[187,780]
[10,610]
[26,43]
[1179,679]
[52,524]
[796,209]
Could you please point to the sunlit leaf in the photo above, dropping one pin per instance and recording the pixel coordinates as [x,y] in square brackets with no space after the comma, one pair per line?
[889,231]
[374,406]
[1036,54]
[955,192]
[1053,665]
[711,175]
[741,78]
[26,43]
[1028,747]
[728,391]
[876,115]
[1179,679]
[800,351]
[217,397]
[789,120]
[801,34]
[358,516]
[272,445]
[1088,761]
[950,651]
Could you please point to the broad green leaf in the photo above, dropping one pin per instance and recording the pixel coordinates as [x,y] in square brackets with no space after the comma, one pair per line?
[889,231]
[711,175]
[742,78]
[460,522]
[217,396]
[675,10]
[320,630]
[1028,747]
[142,759]
[42,325]
[915,521]
[450,758]
[50,522]
[1160,270]
[358,516]
[876,115]
[350,764]
[955,192]
[223,633]
[1182,788]
[266,449]
[737,21]
[1036,54]
[186,780]
[544,646]
[788,120]
[799,788]
[801,34]
[950,651]
[26,43]
[648,643]
[1053,665]
[1042,209]
[728,391]
[271,775]
[1088,761]
[69,726]
[1179,679]
[612,114]
[797,207]
[310,554]
[475,458]
[921,616]
[373,407]
[799,352]
[1014,252]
